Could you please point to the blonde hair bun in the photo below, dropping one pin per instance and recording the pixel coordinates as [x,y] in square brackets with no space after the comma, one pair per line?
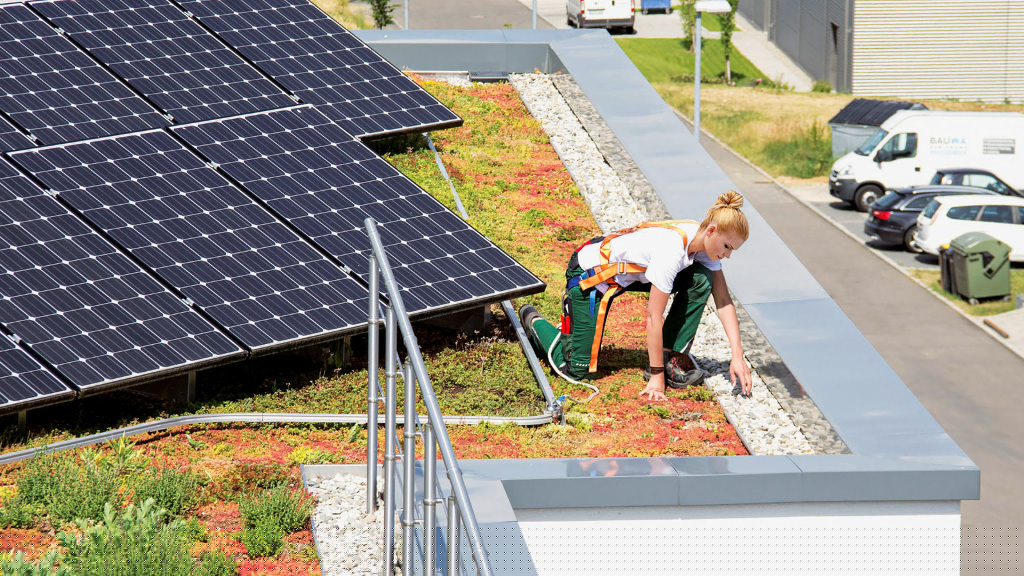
[731,199]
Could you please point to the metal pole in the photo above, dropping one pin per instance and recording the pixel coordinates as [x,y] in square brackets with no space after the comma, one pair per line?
[373,360]
[409,477]
[696,81]
[534,14]
[429,500]
[390,438]
[430,400]
[406,14]
[453,537]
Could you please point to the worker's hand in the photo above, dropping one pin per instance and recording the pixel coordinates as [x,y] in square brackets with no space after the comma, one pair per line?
[655,389]
[738,370]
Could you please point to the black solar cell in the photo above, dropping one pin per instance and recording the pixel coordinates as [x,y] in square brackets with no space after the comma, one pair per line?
[166,56]
[55,91]
[206,238]
[24,381]
[326,184]
[83,306]
[320,61]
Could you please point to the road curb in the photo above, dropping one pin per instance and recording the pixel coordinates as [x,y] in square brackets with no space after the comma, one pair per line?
[991,330]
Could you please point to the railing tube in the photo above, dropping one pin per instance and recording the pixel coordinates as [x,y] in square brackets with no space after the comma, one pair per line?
[390,431]
[453,537]
[433,409]
[372,361]
[429,500]
[409,477]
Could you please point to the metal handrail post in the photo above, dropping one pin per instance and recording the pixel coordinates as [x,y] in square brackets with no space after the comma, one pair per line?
[454,540]
[409,477]
[390,431]
[373,361]
[429,500]
[430,400]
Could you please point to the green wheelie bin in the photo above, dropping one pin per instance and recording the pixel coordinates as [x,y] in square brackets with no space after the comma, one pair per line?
[981,267]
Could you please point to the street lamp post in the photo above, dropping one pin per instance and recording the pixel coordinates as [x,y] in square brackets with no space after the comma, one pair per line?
[713,7]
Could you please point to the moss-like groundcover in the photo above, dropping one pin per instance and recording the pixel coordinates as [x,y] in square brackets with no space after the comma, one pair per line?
[221,500]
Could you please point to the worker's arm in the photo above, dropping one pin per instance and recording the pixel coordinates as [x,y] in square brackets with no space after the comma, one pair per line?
[738,368]
[656,304]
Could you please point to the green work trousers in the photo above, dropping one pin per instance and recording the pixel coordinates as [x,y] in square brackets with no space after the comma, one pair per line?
[574,340]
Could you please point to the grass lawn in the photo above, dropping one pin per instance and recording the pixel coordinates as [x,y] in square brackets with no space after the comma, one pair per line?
[932,279]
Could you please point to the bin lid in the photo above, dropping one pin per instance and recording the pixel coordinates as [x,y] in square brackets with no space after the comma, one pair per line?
[973,242]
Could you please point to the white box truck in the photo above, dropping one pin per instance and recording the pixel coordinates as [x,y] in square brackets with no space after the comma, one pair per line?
[912,144]
[601,14]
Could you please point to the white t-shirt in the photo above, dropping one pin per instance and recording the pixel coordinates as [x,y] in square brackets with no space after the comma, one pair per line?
[659,249]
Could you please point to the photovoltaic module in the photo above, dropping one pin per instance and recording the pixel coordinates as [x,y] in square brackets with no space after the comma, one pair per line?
[184,184]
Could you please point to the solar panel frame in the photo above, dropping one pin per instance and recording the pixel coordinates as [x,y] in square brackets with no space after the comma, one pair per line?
[166,56]
[325,183]
[317,59]
[56,92]
[243,267]
[25,382]
[84,307]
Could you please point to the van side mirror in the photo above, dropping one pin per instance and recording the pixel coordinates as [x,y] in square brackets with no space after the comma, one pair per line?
[883,155]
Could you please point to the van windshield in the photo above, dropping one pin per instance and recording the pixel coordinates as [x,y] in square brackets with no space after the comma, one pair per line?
[871,142]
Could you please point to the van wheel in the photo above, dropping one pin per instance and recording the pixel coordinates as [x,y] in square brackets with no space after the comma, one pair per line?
[908,240]
[866,196]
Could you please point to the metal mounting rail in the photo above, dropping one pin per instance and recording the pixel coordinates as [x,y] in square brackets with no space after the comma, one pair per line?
[397,321]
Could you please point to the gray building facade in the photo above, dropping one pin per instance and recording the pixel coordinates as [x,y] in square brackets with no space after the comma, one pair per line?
[911,49]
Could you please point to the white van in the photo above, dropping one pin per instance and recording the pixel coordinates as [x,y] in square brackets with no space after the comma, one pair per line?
[912,144]
[601,14]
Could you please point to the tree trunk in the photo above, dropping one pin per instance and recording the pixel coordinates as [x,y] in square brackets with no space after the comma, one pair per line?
[728,71]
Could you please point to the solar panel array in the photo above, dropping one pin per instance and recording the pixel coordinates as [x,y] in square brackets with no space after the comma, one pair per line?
[315,58]
[182,184]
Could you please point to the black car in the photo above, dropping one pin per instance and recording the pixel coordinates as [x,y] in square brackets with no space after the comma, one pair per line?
[974,178]
[893,217]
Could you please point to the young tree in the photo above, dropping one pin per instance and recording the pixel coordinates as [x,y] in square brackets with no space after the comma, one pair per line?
[382,10]
[689,16]
[727,23]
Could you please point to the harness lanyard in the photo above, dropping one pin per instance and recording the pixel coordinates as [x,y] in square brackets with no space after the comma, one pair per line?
[606,272]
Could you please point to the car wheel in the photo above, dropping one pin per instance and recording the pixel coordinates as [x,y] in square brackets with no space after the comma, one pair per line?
[866,196]
[908,240]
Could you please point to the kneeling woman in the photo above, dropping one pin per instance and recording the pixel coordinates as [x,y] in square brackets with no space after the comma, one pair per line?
[678,257]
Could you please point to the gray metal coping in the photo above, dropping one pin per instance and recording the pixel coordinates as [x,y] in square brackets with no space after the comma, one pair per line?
[899,451]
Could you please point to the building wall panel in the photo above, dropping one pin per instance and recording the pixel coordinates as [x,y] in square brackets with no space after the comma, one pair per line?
[959,49]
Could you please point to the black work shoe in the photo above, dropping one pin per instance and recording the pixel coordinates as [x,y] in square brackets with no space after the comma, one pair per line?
[675,376]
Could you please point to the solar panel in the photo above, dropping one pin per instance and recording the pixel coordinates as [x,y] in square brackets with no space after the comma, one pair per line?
[320,61]
[309,171]
[11,138]
[82,306]
[203,236]
[55,91]
[24,381]
[167,57]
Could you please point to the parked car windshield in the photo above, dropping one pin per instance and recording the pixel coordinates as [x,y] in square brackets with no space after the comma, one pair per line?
[888,201]
[930,209]
[871,142]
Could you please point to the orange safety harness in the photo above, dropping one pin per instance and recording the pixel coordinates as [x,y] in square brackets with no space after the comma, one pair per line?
[606,271]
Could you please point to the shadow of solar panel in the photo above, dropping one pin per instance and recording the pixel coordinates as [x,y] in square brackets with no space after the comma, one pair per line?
[84,307]
[167,57]
[312,173]
[55,91]
[247,270]
[24,381]
[317,59]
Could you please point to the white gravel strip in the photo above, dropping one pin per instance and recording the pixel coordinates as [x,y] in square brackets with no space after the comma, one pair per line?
[349,541]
